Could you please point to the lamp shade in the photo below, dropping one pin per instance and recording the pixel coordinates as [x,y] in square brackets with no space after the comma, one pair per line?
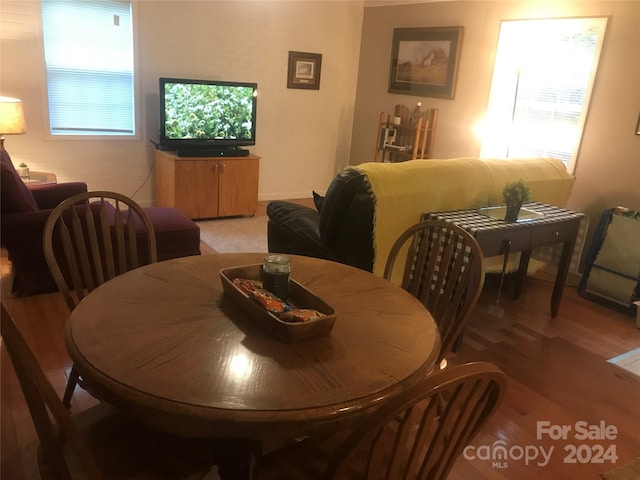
[11,116]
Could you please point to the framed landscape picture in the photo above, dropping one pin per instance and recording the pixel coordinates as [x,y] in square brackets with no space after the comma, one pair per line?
[304,70]
[424,61]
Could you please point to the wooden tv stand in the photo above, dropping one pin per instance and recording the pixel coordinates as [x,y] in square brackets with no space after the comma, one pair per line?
[207,187]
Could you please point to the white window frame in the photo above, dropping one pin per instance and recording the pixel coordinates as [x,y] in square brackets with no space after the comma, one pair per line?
[520,83]
[137,124]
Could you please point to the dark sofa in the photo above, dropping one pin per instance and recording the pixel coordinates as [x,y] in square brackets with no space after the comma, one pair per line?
[25,210]
[339,229]
[367,206]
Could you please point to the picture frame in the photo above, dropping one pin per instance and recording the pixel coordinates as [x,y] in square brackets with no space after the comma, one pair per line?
[304,70]
[638,133]
[424,61]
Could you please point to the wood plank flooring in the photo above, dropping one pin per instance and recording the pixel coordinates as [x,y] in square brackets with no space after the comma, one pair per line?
[557,373]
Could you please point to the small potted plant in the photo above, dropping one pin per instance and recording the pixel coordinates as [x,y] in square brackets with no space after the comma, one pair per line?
[23,170]
[514,195]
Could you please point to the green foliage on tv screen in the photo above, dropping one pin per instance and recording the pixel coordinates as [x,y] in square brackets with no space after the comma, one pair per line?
[208,111]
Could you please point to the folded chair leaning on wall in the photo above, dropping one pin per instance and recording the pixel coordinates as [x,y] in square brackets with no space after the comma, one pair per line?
[91,238]
[612,268]
[97,442]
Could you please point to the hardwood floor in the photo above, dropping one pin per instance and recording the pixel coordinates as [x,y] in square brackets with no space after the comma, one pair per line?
[557,373]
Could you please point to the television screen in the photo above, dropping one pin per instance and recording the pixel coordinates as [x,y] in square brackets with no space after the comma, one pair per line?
[207,113]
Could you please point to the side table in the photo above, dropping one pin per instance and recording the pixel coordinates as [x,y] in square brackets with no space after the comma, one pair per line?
[40,178]
[550,225]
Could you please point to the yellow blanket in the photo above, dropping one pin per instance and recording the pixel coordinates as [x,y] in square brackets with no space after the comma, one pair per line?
[547,178]
[403,191]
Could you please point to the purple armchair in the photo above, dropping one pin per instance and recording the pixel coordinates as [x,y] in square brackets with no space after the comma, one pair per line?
[25,211]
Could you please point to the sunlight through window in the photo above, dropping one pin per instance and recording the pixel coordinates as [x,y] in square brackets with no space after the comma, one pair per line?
[542,80]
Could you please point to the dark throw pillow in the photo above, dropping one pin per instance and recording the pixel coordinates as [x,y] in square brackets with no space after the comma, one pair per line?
[317,200]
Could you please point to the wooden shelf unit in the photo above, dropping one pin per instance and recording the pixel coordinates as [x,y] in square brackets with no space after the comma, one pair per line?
[207,187]
[416,132]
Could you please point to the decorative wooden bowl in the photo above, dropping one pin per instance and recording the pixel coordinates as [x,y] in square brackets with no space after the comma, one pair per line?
[299,297]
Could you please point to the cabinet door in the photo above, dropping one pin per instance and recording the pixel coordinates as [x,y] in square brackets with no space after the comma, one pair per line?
[165,180]
[197,187]
[238,186]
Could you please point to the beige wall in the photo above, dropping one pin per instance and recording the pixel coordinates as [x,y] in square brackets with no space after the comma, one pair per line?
[608,165]
[303,136]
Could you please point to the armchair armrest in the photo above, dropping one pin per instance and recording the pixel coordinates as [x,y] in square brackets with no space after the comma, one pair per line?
[19,229]
[22,237]
[294,229]
[49,196]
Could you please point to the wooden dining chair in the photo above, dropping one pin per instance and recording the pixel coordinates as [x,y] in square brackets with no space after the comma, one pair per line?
[91,238]
[99,442]
[417,435]
[444,270]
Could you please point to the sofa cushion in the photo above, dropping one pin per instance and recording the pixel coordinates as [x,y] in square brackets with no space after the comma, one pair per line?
[294,229]
[49,195]
[15,196]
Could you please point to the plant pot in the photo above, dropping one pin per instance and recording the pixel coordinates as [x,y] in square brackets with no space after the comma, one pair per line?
[23,172]
[511,215]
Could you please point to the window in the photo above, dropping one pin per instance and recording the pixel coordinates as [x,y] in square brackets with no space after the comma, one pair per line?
[88,50]
[542,80]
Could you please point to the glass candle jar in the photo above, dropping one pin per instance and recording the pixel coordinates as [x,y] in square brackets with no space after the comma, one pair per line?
[275,275]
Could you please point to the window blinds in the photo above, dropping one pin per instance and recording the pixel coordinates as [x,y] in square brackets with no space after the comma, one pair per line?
[88,50]
[542,80]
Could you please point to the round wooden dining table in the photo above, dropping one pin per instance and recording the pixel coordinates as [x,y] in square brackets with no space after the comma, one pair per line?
[166,345]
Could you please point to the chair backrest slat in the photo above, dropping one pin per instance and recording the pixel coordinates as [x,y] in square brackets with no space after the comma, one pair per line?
[80,247]
[121,251]
[107,242]
[94,247]
[72,262]
[133,247]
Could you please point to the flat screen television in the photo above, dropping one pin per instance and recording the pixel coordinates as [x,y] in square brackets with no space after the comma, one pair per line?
[207,117]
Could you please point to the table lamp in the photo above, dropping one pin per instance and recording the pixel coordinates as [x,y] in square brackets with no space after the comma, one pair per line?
[11,118]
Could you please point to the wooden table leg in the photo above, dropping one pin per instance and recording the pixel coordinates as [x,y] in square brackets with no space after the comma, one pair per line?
[523,266]
[561,276]
[236,459]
